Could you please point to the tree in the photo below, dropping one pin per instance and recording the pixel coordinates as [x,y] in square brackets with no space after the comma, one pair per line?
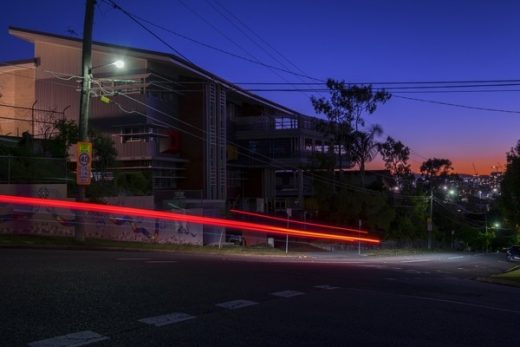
[104,152]
[364,148]
[348,103]
[395,155]
[67,133]
[344,110]
[510,188]
[435,167]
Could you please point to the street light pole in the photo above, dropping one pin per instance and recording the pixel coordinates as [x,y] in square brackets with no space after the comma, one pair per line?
[86,72]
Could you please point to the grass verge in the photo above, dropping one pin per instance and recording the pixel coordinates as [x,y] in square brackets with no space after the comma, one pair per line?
[510,277]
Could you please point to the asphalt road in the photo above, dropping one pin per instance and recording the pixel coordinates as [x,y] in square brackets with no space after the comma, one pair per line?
[168,299]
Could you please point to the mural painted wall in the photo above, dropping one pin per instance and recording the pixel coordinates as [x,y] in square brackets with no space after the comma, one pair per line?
[60,222]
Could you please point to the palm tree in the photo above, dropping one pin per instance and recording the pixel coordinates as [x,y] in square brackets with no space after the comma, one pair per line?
[364,148]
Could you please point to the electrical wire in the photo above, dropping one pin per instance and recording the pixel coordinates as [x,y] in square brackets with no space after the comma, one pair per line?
[267,44]
[129,15]
[252,56]
[203,44]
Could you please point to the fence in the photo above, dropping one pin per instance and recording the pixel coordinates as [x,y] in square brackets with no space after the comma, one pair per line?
[33,170]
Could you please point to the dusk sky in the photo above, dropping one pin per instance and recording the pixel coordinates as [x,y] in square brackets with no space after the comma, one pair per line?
[355,41]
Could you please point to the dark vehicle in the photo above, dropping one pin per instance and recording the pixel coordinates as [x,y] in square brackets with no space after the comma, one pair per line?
[513,253]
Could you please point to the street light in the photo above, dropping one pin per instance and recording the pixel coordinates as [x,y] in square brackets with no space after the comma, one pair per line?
[119,63]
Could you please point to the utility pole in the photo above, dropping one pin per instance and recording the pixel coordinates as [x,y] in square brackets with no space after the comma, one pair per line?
[86,72]
[430,220]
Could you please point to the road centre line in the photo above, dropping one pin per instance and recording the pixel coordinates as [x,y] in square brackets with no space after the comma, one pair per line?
[80,338]
[458,257]
[426,298]
[167,319]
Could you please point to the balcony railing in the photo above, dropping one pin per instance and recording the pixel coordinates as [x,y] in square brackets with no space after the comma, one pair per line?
[136,149]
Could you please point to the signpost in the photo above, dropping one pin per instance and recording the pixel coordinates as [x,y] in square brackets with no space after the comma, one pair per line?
[84,163]
[289,215]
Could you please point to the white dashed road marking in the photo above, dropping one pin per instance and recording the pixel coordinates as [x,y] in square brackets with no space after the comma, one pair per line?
[235,304]
[80,338]
[287,293]
[325,286]
[458,257]
[166,319]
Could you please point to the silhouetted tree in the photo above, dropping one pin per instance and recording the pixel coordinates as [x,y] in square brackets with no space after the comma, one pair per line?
[395,155]
[344,109]
[435,167]
[510,190]
[364,147]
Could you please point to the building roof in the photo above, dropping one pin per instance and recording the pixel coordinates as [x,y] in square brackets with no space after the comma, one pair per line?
[18,64]
[33,36]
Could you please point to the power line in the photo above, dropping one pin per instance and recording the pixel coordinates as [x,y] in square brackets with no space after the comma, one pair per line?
[187,38]
[457,105]
[230,20]
[261,39]
[30,109]
[253,57]
[129,15]
[393,82]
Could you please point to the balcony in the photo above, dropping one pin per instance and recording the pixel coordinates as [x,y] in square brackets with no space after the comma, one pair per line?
[136,150]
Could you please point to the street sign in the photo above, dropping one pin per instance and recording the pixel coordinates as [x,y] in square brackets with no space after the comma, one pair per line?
[84,163]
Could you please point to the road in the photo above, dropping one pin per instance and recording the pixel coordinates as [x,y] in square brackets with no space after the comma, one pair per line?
[169,299]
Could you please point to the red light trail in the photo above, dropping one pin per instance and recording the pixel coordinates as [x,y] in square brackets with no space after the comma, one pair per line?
[247,213]
[173,216]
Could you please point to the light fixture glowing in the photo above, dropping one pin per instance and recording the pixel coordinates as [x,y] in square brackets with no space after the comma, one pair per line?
[172,216]
[119,63]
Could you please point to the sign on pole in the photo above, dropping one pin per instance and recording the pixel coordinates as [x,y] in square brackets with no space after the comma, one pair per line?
[84,163]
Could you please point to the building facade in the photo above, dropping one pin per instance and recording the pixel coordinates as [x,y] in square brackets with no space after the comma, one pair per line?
[201,140]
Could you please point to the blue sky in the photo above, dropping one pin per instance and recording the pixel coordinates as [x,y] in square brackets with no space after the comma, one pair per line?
[358,41]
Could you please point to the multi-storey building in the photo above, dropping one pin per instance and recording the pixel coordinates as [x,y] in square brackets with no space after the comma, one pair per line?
[196,136]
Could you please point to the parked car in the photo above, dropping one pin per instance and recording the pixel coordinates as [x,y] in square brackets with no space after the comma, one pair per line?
[513,253]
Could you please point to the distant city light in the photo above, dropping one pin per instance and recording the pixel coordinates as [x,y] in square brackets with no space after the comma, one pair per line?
[451,192]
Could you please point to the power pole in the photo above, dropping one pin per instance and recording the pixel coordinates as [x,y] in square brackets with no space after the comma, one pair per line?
[430,220]
[86,72]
